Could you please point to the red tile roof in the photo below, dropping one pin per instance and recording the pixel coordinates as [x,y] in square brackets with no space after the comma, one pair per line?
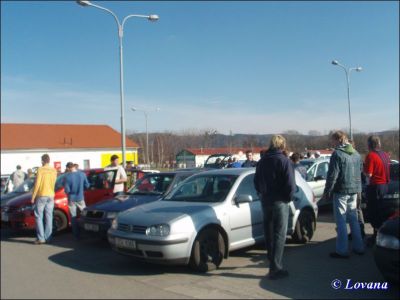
[60,136]
[233,150]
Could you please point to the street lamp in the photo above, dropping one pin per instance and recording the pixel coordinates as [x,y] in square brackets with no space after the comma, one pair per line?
[147,132]
[120,25]
[347,71]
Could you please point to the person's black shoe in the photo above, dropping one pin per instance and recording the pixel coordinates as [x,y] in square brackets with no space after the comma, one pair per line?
[278,274]
[337,255]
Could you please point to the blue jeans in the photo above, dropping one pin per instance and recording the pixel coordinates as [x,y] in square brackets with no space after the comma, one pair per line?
[276,217]
[73,205]
[46,205]
[345,209]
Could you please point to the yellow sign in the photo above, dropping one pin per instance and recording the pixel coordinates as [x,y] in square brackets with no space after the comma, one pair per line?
[129,156]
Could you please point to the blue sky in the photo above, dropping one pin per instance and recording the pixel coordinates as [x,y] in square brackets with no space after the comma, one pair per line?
[249,67]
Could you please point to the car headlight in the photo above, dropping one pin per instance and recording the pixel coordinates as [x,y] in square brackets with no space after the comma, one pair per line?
[158,230]
[387,241]
[114,224]
[25,208]
[84,212]
[112,215]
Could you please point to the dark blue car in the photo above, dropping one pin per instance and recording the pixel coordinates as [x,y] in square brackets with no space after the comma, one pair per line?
[96,219]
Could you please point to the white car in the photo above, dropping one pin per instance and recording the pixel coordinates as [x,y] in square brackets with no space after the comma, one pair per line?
[204,218]
[317,172]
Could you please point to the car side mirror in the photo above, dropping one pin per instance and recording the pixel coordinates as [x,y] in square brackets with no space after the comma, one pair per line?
[319,177]
[243,198]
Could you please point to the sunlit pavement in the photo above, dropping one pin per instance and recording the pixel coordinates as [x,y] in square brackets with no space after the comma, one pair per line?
[90,269]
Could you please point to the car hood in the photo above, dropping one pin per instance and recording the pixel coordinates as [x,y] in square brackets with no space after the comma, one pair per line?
[5,197]
[123,202]
[21,200]
[164,212]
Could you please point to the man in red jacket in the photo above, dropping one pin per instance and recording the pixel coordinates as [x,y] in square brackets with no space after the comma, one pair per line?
[376,169]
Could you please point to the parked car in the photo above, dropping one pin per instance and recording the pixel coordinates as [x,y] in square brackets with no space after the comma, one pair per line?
[97,218]
[204,218]
[317,172]
[391,200]
[212,161]
[24,188]
[18,212]
[386,250]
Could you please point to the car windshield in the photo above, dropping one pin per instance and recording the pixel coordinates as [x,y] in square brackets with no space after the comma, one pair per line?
[26,186]
[307,164]
[152,184]
[203,188]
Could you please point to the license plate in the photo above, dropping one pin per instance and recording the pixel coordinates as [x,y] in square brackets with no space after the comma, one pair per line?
[91,227]
[122,243]
[4,217]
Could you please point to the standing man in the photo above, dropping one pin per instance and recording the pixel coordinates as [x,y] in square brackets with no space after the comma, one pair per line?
[74,185]
[343,183]
[43,200]
[18,177]
[376,169]
[274,180]
[249,163]
[120,178]
[129,170]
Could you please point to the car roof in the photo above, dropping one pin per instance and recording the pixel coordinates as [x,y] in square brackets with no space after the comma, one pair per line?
[230,171]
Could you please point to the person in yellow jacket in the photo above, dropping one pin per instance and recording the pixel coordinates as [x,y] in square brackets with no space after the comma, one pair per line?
[43,200]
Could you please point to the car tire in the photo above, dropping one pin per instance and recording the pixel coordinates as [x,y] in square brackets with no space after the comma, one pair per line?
[208,251]
[305,227]
[60,221]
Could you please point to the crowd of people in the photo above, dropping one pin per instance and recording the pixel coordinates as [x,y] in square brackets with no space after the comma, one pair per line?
[274,181]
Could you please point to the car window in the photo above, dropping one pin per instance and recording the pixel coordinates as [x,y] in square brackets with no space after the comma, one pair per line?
[152,183]
[205,188]
[26,186]
[103,180]
[246,187]
[322,170]
[310,173]
[394,171]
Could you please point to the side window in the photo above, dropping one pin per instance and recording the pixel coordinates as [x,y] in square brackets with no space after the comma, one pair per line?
[310,173]
[322,170]
[102,180]
[246,187]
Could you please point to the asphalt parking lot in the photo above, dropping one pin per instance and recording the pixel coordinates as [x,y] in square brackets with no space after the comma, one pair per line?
[90,269]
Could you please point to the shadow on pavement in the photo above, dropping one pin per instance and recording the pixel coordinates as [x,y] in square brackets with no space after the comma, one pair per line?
[312,271]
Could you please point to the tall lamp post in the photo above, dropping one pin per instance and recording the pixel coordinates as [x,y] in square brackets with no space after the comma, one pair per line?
[147,132]
[121,66]
[348,71]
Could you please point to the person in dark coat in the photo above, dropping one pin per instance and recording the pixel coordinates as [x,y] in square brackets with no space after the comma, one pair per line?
[275,182]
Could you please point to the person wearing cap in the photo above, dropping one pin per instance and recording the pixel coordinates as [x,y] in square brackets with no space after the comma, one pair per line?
[74,186]
[121,177]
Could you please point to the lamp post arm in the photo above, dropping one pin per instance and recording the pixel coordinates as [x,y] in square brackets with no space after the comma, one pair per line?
[113,14]
[130,16]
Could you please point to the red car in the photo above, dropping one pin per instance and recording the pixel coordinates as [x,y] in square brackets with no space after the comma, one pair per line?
[18,212]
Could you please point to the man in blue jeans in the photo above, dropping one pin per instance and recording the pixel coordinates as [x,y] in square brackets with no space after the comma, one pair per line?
[343,183]
[274,181]
[74,185]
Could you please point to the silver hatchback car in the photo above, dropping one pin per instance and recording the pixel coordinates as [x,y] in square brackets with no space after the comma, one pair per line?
[204,218]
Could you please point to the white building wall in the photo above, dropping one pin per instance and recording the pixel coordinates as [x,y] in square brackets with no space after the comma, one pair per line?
[32,158]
